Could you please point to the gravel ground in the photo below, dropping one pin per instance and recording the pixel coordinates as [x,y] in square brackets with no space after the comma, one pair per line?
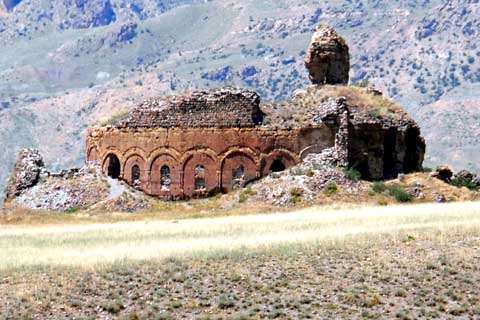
[414,277]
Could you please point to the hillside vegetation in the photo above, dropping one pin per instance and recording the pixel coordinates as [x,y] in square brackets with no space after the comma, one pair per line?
[405,262]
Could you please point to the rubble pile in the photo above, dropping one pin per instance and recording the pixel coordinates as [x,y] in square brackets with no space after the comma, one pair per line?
[305,182]
[66,191]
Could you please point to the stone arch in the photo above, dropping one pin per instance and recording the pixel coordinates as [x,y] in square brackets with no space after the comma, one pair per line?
[238,167]
[133,160]
[172,152]
[135,151]
[112,166]
[316,148]
[191,160]
[286,157]
[169,160]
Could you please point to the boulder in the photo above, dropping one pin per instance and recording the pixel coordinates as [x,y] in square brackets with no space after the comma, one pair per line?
[465,174]
[327,59]
[443,173]
[26,172]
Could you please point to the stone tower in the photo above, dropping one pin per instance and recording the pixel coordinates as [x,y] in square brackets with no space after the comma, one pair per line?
[327,59]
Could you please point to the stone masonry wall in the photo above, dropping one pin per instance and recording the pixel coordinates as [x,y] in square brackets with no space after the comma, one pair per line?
[221,108]
[229,157]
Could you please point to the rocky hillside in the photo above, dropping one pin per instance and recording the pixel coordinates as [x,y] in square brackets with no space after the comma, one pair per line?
[68,64]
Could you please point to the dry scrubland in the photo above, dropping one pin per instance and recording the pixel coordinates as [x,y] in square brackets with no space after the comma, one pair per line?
[408,262]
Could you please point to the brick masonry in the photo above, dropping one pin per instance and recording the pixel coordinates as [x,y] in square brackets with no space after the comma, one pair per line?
[222,152]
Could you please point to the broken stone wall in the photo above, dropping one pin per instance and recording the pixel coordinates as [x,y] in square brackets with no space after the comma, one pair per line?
[223,108]
[383,153]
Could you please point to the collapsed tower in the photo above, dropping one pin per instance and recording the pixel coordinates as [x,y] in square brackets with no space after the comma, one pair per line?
[327,59]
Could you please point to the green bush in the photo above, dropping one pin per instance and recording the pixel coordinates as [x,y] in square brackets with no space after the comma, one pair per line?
[296,192]
[310,173]
[296,195]
[382,202]
[379,187]
[243,197]
[352,174]
[331,188]
[460,182]
[399,193]
[225,302]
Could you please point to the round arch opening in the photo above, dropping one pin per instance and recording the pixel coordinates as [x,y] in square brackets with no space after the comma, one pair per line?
[113,166]
[277,166]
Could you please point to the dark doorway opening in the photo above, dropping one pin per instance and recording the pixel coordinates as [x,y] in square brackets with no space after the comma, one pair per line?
[414,144]
[113,169]
[277,166]
[390,170]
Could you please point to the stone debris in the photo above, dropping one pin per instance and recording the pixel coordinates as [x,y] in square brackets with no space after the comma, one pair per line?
[26,173]
[305,181]
[65,191]
[327,59]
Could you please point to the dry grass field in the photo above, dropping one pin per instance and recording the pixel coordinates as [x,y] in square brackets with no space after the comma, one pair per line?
[407,262]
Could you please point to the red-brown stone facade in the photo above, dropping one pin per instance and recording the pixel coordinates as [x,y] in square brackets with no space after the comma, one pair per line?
[176,163]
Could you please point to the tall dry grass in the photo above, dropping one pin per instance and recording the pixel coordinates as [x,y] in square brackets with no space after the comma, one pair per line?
[103,244]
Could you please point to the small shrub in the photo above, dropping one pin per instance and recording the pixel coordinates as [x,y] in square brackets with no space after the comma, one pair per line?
[352,174]
[242,198]
[461,182]
[379,187]
[250,192]
[122,115]
[296,192]
[296,195]
[225,302]
[396,191]
[164,316]
[382,202]
[427,169]
[400,292]
[331,188]
[113,307]
[176,304]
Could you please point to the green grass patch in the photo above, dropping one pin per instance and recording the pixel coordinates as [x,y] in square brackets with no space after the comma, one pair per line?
[331,188]
[399,193]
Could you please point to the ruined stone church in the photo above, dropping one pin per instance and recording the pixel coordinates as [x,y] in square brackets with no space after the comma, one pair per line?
[206,142]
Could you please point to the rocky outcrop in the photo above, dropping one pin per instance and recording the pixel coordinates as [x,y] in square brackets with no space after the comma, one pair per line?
[221,108]
[26,173]
[327,59]
[443,173]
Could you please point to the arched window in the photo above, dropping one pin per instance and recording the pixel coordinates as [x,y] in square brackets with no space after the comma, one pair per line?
[277,166]
[165,180]
[136,174]
[238,177]
[113,166]
[200,178]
